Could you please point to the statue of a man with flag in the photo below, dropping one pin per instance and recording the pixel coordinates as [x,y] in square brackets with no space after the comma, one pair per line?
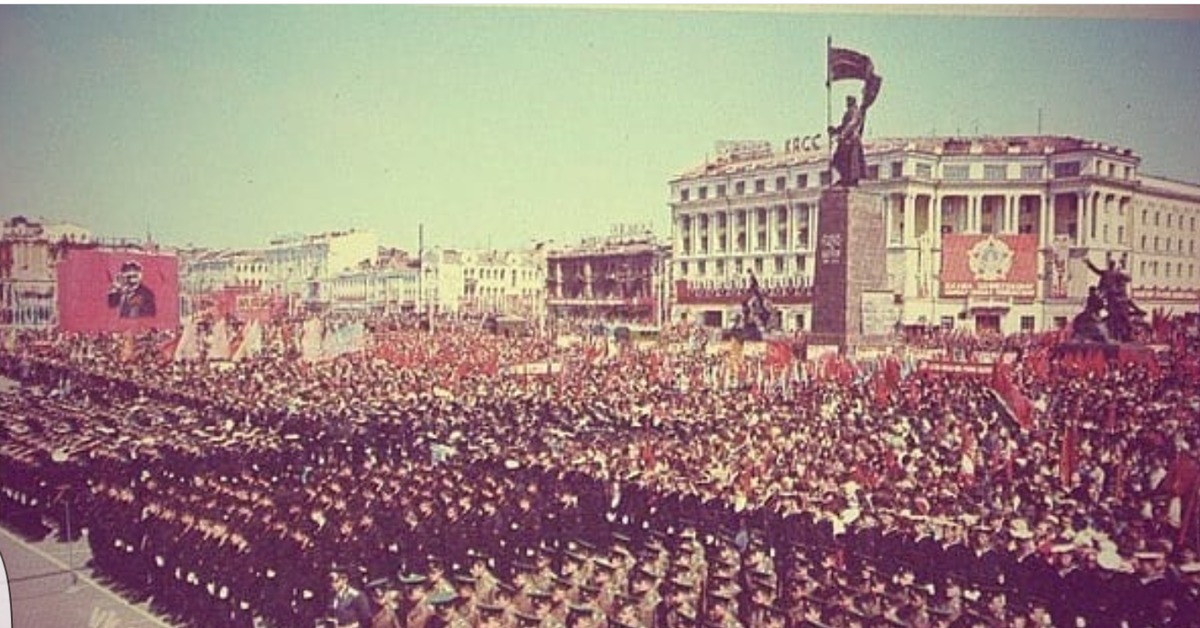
[848,159]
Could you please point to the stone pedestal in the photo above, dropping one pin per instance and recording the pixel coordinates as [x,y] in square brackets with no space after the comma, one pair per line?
[851,259]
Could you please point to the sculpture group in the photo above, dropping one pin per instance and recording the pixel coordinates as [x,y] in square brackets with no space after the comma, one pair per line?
[1109,314]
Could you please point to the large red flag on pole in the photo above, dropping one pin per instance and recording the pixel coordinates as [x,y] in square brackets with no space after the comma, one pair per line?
[851,64]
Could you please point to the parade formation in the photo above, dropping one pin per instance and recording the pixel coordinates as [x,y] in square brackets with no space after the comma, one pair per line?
[330,433]
[655,485]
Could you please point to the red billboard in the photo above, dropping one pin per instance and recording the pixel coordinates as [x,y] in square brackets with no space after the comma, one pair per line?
[242,303]
[113,290]
[986,265]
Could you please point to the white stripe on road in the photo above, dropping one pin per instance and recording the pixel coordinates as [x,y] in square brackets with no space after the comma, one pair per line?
[95,585]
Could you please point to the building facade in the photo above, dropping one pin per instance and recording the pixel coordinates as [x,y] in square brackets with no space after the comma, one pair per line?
[29,250]
[300,271]
[388,286]
[985,233]
[622,277]
[479,282]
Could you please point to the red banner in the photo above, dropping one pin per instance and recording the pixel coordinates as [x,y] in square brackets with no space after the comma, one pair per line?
[244,304]
[105,290]
[989,266]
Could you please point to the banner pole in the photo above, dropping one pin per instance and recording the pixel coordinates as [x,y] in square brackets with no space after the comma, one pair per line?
[828,102]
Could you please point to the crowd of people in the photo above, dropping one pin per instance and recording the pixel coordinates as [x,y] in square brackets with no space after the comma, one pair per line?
[423,484]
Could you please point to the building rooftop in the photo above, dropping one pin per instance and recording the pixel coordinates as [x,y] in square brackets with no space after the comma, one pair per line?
[735,158]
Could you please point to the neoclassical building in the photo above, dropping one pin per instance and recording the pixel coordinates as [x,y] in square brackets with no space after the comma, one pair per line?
[621,277]
[982,233]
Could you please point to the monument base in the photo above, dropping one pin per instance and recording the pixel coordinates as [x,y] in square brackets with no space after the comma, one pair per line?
[850,290]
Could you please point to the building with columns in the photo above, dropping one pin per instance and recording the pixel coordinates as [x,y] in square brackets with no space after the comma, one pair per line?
[982,233]
[621,277]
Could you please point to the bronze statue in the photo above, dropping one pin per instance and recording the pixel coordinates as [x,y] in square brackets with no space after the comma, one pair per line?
[757,314]
[1110,294]
[848,158]
[844,63]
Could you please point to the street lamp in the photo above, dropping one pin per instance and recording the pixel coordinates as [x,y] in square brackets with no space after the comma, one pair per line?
[60,456]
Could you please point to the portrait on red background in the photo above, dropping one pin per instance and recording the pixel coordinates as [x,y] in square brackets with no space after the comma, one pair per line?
[103,291]
[129,295]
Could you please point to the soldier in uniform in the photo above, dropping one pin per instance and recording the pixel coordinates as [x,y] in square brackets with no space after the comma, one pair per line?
[442,603]
[419,611]
[722,612]
[491,616]
[350,608]
[485,580]
[386,601]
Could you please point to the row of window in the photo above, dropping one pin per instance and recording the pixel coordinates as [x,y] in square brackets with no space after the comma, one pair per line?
[1167,249]
[738,266]
[1170,220]
[501,274]
[950,172]
[1149,270]
[760,186]
[741,244]
[741,215]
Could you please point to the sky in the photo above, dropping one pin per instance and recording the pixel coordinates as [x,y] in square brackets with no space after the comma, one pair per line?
[227,126]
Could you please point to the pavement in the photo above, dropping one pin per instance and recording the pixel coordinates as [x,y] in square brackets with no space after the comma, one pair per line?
[46,583]
[49,586]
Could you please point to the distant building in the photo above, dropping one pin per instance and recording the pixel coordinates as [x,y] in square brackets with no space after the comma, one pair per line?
[387,286]
[210,277]
[983,233]
[300,271]
[29,250]
[298,266]
[478,282]
[622,277]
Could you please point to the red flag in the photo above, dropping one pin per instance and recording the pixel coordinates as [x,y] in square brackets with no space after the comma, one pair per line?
[1068,456]
[1018,403]
[779,354]
[851,64]
[845,63]
[880,389]
[1183,481]
[166,349]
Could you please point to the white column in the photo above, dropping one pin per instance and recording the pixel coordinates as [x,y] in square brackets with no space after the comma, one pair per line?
[935,204]
[908,206]
[772,231]
[791,229]
[887,219]
[1047,219]
[1080,217]
[813,208]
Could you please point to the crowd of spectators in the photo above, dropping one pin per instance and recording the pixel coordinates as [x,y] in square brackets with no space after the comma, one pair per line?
[625,486]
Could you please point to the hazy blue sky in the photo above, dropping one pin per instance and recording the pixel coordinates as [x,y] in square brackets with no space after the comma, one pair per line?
[228,125]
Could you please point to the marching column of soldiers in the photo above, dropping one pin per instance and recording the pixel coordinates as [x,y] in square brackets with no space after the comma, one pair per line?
[299,521]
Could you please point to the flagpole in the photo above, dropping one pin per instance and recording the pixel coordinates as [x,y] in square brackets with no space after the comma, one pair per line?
[828,101]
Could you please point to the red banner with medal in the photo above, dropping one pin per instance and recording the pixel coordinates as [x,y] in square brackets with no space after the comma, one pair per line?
[989,265]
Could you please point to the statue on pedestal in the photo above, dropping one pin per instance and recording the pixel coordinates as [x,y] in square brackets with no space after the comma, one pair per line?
[843,63]
[848,158]
[757,315]
[1111,296]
